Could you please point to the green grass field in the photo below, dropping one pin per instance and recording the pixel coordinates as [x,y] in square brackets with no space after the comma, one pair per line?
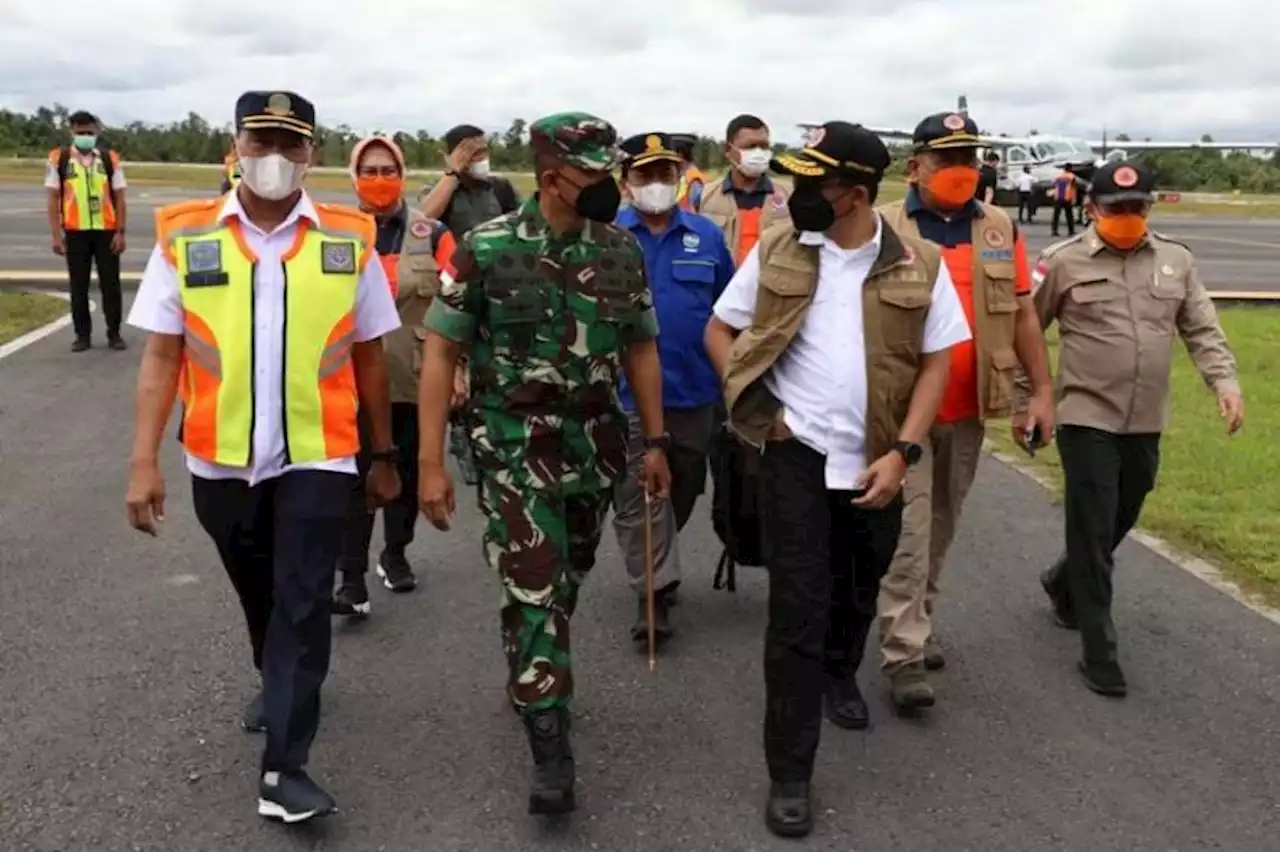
[23,312]
[1216,495]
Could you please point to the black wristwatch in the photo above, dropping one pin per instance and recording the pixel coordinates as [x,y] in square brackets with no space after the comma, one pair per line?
[391,456]
[662,442]
[910,452]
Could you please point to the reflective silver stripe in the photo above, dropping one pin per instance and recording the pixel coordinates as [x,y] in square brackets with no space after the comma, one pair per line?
[336,355]
[204,355]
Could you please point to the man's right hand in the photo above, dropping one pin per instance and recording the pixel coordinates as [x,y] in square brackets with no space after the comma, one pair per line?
[145,498]
[461,156]
[60,245]
[435,494]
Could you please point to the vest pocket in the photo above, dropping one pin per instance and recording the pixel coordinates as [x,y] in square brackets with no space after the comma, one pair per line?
[1000,381]
[415,357]
[1001,295]
[902,316]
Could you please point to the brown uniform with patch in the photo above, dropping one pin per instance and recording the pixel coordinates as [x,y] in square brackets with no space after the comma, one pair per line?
[419,282]
[720,207]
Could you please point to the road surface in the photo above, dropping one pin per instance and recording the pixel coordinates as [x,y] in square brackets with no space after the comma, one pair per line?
[1234,255]
[124,666]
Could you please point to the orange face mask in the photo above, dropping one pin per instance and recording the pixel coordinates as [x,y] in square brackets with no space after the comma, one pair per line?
[1122,230]
[379,192]
[953,186]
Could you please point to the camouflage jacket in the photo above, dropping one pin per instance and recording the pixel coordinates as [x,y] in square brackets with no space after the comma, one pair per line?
[547,319]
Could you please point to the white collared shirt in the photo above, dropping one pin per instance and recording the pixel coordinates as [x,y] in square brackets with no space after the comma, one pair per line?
[158,309]
[1026,182]
[821,379]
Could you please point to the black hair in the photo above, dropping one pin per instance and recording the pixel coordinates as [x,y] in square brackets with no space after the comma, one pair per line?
[459,134]
[743,122]
[683,147]
[82,117]
[991,157]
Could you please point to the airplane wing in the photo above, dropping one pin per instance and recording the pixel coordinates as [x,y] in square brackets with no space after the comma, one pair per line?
[1129,145]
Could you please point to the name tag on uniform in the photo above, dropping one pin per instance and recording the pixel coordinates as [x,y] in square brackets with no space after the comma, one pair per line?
[95,206]
[204,264]
[337,258]
[997,254]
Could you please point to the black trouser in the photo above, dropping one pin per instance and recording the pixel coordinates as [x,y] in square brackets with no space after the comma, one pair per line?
[1107,479]
[1027,204]
[398,516]
[826,558]
[279,542]
[1060,207]
[84,248]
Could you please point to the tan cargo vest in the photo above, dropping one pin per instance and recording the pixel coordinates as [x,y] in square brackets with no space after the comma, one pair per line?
[995,302]
[720,207]
[419,279]
[895,304]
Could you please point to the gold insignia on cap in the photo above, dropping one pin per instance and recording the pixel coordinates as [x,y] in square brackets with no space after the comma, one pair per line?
[1125,177]
[815,137]
[1166,270]
[653,142]
[279,104]
[953,122]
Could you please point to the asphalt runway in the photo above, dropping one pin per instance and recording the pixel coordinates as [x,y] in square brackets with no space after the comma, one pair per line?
[124,666]
[1233,254]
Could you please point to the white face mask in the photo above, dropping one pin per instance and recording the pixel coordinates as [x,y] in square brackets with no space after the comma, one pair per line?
[654,198]
[272,177]
[479,169]
[754,161]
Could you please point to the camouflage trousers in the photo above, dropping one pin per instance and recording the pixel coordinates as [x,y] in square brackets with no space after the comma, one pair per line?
[542,545]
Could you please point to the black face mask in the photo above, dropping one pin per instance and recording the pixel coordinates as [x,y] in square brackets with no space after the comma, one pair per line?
[599,202]
[810,210]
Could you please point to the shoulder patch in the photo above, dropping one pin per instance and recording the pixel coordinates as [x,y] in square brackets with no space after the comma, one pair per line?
[420,228]
[1165,238]
[1055,248]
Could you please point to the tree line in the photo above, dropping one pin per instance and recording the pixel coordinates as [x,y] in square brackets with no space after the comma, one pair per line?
[195,140]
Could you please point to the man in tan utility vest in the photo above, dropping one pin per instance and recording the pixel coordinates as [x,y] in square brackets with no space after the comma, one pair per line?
[1118,292]
[831,341]
[987,259]
[412,250]
[747,202]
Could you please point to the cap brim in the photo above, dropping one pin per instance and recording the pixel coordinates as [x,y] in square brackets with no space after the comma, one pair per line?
[1123,195]
[653,157]
[955,140]
[798,165]
[276,122]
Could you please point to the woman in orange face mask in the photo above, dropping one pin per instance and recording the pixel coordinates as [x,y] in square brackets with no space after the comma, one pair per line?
[413,250]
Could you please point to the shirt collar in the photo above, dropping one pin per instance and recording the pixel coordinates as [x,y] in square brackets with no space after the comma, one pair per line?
[304,209]
[817,238]
[914,205]
[629,218]
[763,184]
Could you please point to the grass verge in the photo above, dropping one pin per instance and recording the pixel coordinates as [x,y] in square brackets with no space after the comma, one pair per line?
[1216,495]
[23,312]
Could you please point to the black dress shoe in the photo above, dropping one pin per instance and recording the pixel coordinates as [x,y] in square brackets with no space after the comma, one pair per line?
[662,629]
[117,343]
[81,344]
[1104,679]
[789,813]
[254,718]
[845,705]
[1063,613]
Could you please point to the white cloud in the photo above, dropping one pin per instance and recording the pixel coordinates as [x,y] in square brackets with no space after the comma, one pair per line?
[1159,68]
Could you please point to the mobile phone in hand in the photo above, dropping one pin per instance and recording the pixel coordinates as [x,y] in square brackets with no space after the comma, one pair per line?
[1033,440]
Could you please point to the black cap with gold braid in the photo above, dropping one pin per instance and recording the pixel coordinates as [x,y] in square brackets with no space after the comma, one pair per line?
[837,149]
[275,110]
[944,130]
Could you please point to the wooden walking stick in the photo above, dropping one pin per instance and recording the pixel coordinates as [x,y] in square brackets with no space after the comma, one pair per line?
[648,575]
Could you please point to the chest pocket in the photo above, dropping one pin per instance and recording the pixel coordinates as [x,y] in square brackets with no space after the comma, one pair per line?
[696,278]
[786,288]
[904,306]
[1092,300]
[519,304]
[1000,294]
[618,277]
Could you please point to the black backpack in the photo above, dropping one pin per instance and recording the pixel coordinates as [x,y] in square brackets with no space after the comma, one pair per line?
[64,160]
[735,506]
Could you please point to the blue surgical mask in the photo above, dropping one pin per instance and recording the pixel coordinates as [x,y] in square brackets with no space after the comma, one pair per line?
[85,141]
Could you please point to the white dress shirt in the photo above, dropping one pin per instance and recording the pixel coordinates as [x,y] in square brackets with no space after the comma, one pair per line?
[821,379]
[1026,182]
[158,309]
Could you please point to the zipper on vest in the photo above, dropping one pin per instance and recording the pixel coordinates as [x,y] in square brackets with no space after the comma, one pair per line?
[253,357]
[284,365]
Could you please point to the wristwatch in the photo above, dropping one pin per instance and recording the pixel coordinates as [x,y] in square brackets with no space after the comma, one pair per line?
[391,455]
[910,452]
[662,442]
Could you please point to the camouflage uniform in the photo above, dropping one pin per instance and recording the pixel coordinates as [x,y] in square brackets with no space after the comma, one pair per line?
[547,318]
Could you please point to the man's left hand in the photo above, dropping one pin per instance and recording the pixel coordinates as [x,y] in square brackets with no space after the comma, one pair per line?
[656,474]
[1042,412]
[382,484]
[1231,409]
[117,242]
[883,481]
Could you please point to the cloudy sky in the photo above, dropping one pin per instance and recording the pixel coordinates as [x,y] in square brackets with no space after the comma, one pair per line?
[1157,68]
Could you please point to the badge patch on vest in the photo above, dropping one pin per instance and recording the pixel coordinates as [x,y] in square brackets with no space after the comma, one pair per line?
[204,256]
[337,258]
[994,237]
[420,229]
[997,254]
[691,242]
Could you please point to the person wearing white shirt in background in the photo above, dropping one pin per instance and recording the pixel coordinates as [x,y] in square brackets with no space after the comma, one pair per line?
[831,341]
[266,311]
[1026,196]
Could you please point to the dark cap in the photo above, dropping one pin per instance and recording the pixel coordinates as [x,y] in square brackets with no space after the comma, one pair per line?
[836,149]
[645,148]
[1123,181]
[282,110]
[684,143]
[944,130]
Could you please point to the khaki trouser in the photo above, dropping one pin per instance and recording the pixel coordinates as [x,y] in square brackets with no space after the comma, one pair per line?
[934,491]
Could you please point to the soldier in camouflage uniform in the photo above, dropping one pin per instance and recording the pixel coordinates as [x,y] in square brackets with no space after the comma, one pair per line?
[553,303]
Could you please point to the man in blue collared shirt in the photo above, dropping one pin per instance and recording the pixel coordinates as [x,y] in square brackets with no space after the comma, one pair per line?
[688,265]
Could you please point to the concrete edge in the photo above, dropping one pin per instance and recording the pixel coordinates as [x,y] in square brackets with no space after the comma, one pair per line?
[20,343]
[41,276]
[1199,568]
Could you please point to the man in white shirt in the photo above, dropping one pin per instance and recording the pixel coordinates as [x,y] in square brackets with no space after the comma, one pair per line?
[832,343]
[1026,196]
[266,311]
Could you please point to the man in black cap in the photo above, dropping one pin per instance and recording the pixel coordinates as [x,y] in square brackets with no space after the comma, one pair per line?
[267,310]
[864,317]
[1119,292]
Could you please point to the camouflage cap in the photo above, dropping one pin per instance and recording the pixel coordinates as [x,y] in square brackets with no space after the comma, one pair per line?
[577,138]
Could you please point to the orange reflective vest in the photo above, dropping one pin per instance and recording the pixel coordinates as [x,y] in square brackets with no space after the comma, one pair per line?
[87,203]
[684,194]
[215,269]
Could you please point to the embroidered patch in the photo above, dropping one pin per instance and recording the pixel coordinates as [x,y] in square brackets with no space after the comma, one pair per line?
[953,122]
[337,258]
[994,237]
[1125,177]
[691,242]
[997,254]
[204,256]
[420,229]
[815,136]
[1166,270]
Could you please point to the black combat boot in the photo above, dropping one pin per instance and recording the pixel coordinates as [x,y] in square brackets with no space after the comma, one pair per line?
[553,769]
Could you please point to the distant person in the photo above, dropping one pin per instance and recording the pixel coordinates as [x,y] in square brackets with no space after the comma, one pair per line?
[746,202]
[230,171]
[988,178]
[1084,177]
[266,312]
[1120,294]
[87,214]
[413,250]
[693,180]
[1026,197]
[1064,199]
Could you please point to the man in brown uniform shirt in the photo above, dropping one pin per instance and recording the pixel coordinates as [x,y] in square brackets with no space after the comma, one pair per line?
[1118,292]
